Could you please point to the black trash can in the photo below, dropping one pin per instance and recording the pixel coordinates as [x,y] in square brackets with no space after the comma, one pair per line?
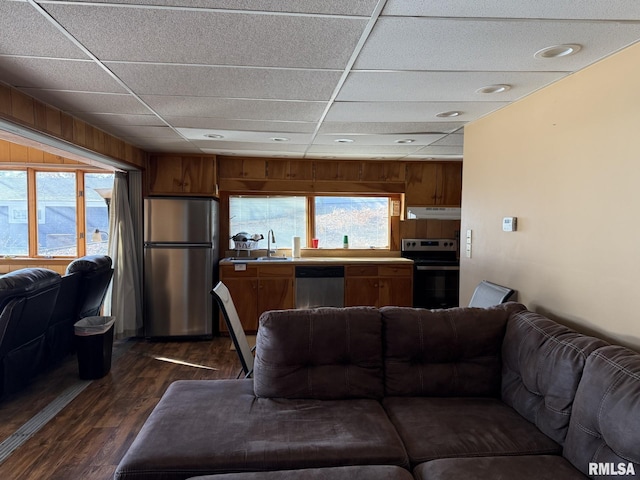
[94,344]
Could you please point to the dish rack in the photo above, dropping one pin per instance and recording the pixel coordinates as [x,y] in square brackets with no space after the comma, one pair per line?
[246,246]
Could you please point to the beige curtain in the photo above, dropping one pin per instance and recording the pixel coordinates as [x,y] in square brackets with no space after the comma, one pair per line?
[124,298]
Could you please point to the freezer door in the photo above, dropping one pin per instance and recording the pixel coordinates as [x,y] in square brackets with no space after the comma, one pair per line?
[178,220]
[177,282]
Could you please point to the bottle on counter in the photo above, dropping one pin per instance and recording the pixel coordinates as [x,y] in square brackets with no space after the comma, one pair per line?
[345,241]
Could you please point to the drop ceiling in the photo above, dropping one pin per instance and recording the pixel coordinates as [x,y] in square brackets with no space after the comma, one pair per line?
[312,79]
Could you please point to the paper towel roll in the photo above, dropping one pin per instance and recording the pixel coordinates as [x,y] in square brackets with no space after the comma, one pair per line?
[295,250]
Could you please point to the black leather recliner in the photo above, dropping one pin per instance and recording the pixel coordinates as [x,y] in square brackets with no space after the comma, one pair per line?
[27,299]
[60,334]
[96,271]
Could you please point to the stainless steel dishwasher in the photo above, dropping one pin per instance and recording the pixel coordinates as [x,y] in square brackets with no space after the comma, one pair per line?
[319,286]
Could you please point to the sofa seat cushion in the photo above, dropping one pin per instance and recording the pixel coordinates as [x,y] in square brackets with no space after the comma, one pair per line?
[542,366]
[452,352]
[324,353]
[605,423]
[202,427]
[526,467]
[433,428]
[367,472]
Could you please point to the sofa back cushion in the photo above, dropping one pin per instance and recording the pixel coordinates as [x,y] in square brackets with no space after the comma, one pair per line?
[451,352]
[322,353]
[605,423]
[542,366]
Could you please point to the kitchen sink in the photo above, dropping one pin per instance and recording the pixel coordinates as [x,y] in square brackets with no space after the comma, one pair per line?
[257,259]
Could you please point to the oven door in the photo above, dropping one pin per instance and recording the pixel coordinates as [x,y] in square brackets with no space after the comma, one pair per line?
[436,286]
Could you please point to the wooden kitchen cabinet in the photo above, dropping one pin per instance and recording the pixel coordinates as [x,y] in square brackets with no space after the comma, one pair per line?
[395,285]
[257,289]
[181,175]
[379,285]
[429,183]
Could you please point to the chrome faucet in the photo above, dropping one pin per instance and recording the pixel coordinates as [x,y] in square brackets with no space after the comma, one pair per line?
[270,238]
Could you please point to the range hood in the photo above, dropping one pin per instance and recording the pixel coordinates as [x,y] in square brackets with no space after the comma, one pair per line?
[434,213]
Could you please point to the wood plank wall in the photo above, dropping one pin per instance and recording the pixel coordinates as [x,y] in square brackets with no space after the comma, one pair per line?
[13,153]
[22,109]
[243,175]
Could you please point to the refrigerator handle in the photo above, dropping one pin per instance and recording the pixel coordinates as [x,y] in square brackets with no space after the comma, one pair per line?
[176,245]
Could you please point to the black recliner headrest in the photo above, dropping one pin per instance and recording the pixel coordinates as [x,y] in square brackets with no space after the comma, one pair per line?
[90,263]
[26,281]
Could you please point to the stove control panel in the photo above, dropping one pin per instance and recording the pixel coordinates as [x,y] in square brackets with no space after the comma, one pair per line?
[429,245]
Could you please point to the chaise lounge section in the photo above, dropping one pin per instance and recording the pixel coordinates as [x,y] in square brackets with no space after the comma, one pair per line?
[482,393]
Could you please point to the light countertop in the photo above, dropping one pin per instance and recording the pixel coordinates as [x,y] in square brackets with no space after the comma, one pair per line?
[319,261]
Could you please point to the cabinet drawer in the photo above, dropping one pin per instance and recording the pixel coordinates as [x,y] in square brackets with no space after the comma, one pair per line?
[275,271]
[361,271]
[395,270]
[235,271]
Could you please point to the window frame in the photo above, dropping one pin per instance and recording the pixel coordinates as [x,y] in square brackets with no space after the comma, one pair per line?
[32,207]
[311,213]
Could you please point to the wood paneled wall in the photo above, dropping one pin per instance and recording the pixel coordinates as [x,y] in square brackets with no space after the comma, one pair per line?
[22,109]
[250,174]
[14,153]
[422,183]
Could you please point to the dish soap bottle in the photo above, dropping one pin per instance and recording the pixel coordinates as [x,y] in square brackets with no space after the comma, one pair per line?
[345,241]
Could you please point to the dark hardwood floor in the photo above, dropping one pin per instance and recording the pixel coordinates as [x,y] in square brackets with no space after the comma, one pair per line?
[89,436]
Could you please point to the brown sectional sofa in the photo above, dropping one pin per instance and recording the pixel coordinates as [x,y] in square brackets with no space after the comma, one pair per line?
[400,393]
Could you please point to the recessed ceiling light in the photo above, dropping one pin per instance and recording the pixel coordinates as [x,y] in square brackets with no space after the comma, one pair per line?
[405,140]
[499,88]
[453,113]
[556,51]
[328,156]
[214,136]
[279,139]
[344,140]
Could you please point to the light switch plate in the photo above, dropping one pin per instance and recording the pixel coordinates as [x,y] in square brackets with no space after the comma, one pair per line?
[510,224]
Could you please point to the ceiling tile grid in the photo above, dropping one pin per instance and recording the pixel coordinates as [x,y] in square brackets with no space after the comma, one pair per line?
[360,79]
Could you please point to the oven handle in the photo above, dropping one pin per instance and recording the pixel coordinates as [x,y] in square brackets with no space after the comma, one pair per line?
[432,268]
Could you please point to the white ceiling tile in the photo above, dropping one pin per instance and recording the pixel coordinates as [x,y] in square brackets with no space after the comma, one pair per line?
[257,69]
[407,111]
[89,101]
[441,86]
[252,125]
[265,147]
[480,45]
[440,150]
[389,140]
[209,37]
[143,132]
[345,128]
[120,119]
[246,136]
[235,108]
[368,150]
[24,31]
[455,139]
[57,74]
[345,155]
[333,7]
[619,9]
[231,82]
[162,144]
[249,153]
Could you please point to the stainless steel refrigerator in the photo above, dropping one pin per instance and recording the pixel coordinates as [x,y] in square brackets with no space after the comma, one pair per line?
[180,266]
